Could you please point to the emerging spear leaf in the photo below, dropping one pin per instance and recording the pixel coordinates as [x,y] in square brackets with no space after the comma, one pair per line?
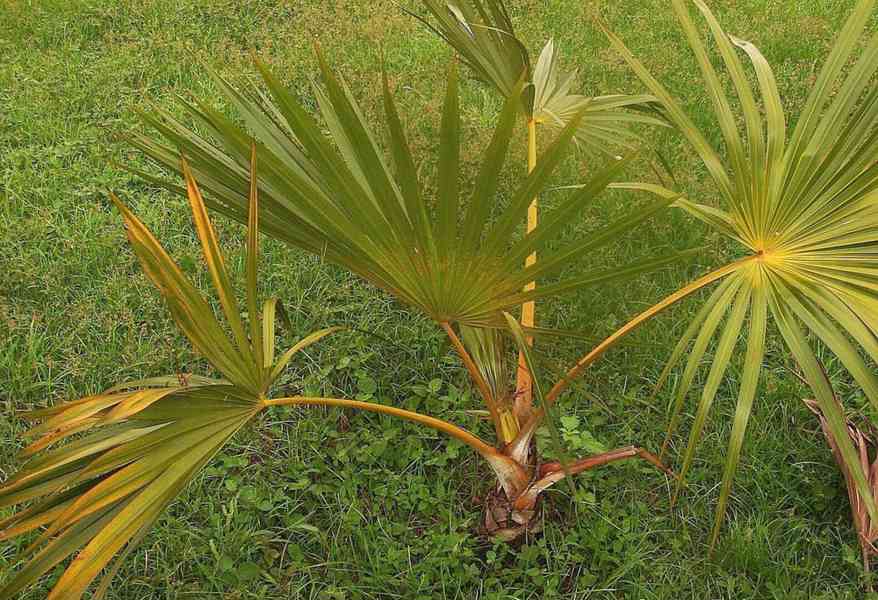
[805,206]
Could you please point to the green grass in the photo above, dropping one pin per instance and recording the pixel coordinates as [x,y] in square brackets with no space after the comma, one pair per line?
[320,504]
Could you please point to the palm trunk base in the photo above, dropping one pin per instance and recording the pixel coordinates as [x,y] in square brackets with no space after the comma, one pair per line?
[501,520]
[508,520]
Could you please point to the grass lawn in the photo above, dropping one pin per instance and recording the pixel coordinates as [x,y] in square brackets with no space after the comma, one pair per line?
[328,505]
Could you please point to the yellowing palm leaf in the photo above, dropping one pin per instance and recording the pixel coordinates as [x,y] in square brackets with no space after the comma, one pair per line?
[132,449]
[805,206]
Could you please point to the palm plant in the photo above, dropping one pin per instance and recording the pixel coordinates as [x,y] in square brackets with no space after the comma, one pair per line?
[805,210]
[482,33]
[804,206]
[132,449]
[459,263]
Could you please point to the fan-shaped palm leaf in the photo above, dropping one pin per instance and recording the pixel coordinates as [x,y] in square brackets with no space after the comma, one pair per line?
[805,206]
[452,260]
[605,122]
[101,492]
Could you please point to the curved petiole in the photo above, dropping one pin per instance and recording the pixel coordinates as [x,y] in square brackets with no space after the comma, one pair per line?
[530,427]
[512,476]
[552,473]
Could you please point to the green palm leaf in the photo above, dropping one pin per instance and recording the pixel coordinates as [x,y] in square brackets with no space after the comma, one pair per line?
[805,206]
[481,31]
[453,259]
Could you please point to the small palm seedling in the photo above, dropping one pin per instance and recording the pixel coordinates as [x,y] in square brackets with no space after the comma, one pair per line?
[460,263]
[865,446]
[804,206]
[130,450]
[482,33]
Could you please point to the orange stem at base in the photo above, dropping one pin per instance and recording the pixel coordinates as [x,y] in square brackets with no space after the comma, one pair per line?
[552,473]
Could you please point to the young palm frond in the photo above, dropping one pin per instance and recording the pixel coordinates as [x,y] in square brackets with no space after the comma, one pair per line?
[487,349]
[605,123]
[482,33]
[456,261]
[805,206]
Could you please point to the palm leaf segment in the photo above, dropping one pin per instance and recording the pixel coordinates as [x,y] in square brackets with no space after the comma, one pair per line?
[481,31]
[132,449]
[453,260]
[483,35]
[605,122]
[806,208]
